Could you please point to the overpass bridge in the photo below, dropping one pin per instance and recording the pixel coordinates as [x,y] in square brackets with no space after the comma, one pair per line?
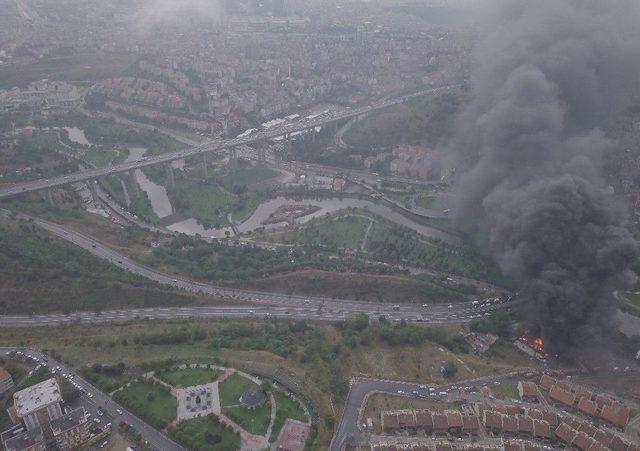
[211,146]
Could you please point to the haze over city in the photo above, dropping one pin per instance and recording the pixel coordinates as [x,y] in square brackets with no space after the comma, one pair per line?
[319,225]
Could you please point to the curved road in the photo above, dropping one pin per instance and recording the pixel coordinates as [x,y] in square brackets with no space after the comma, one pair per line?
[271,304]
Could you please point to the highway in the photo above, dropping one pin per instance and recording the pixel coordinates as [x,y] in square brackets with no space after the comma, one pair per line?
[210,146]
[91,395]
[247,301]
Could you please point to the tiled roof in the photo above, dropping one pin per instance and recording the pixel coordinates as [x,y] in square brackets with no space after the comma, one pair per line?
[562,396]
[617,414]
[424,419]
[547,381]
[566,433]
[587,406]
[525,424]
[454,418]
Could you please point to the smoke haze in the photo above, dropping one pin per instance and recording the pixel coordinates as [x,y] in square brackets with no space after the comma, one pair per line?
[158,12]
[547,80]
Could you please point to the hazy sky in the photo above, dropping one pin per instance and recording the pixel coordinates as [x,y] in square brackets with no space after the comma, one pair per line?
[165,11]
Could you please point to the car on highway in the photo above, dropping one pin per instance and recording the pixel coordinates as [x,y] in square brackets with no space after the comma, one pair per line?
[119,411]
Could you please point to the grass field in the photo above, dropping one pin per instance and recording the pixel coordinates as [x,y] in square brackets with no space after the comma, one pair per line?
[93,66]
[100,157]
[232,388]
[106,383]
[248,176]
[208,203]
[205,434]
[189,376]
[151,402]
[356,285]
[334,232]
[254,421]
[286,407]
[506,391]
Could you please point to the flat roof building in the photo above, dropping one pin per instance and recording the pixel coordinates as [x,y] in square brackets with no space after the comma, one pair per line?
[37,397]
[38,405]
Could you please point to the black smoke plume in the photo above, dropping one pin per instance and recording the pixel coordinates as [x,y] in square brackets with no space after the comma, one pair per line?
[548,79]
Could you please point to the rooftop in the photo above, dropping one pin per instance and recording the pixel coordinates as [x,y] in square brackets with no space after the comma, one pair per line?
[253,398]
[24,440]
[68,421]
[37,397]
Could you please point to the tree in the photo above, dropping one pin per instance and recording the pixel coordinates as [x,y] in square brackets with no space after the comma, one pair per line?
[449,369]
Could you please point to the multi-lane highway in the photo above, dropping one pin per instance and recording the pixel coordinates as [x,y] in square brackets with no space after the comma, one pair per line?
[90,394]
[211,146]
[248,303]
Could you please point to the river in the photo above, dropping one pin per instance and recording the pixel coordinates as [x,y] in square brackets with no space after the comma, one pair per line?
[161,204]
[157,194]
[331,205]
[77,135]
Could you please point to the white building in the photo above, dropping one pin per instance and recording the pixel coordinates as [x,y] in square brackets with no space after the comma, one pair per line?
[39,404]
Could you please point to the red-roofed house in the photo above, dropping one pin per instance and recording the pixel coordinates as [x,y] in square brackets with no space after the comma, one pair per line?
[566,433]
[603,400]
[528,391]
[389,421]
[583,392]
[525,425]
[424,420]
[510,425]
[440,424]
[492,421]
[582,441]
[603,437]
[588,407]
[547,381]
[618,444]
[470,424]
[406,420]
[616,415]
[541,430]
[454,420]
[561,396]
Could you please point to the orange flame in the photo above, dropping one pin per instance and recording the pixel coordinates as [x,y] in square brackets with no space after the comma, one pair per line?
[537,344]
